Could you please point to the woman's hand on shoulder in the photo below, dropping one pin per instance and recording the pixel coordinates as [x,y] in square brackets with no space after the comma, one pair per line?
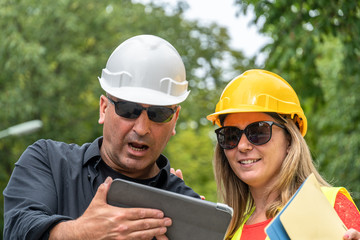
[179,174]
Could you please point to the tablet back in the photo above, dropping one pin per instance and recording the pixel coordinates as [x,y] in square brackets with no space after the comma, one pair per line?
[192,218]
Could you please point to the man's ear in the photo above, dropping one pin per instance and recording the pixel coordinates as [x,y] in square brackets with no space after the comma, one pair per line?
[176,116]
[103,106]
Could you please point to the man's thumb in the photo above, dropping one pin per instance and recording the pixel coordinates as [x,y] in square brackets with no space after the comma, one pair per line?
[103,189]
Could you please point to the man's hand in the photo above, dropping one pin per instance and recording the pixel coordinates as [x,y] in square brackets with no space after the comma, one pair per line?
[103,221]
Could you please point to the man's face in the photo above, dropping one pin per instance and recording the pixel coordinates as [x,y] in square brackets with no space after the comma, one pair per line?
[132,146]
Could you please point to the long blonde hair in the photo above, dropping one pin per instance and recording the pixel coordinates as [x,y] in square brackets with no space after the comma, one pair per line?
[296,167]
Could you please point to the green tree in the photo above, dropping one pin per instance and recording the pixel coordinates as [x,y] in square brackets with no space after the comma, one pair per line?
[51,53]
[316,48]
[196,148]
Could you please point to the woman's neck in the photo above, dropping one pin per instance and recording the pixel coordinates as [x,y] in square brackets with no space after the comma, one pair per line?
[261,201]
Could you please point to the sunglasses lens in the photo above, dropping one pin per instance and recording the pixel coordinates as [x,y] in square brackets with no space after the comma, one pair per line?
[128,109]
[228,137]
[133,110]
[258,133]
[160,114]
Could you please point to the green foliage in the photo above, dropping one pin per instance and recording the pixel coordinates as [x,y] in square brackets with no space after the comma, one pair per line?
[51,53]
[195,160]
[316,48]
[338,133]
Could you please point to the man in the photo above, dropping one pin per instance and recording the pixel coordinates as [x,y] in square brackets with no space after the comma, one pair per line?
[58,190]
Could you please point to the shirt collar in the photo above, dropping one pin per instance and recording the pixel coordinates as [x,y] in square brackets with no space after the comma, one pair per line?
[93,150]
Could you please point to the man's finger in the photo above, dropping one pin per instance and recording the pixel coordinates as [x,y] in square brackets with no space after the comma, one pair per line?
[147,228]
[148,223]
[103,189]
[159,233]
[143,213]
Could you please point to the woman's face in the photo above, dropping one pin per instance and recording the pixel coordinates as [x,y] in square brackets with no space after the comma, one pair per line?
[256,165]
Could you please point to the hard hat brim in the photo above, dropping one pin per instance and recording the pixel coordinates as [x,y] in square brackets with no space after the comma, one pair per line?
[215,116]
[144,95]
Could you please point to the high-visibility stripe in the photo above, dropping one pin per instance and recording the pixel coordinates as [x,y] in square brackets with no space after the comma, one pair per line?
[329,192]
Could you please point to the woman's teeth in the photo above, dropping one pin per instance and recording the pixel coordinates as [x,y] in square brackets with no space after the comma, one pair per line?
[249,161]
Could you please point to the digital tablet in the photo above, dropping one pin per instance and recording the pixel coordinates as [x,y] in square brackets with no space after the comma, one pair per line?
[192,218]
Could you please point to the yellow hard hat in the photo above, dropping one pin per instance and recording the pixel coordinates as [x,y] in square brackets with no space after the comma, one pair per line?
[259,90]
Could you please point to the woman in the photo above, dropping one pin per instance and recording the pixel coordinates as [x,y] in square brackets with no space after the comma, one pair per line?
[258,173]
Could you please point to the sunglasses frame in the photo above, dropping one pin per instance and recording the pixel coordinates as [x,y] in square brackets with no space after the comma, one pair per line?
[147,109]
[244,131]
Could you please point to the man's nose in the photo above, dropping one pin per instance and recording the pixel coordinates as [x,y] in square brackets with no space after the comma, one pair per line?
[142,124]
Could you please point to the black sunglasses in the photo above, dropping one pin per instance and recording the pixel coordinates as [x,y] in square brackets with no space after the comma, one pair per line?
[133,110]
[258,133]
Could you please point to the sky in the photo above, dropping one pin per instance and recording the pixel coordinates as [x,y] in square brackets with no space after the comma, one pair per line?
[244,36]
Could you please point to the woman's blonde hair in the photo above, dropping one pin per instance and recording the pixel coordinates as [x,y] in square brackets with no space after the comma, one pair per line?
[296,167]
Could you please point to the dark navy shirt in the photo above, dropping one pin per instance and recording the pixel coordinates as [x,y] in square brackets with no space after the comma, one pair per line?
[54,181]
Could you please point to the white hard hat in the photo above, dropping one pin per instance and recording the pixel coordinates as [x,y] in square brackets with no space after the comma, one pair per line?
[146,69]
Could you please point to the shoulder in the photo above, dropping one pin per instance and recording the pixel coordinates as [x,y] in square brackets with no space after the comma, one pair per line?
[58,148]
[47,151]
[330,193]
[347,210]
[49,144]
[333,194]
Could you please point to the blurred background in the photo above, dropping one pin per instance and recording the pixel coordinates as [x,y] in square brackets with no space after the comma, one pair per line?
[51,53]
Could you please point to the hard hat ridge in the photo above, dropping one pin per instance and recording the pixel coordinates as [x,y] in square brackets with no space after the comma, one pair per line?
[146,69]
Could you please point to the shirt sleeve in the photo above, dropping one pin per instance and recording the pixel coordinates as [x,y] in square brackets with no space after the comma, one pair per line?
[347,211]
[30,199]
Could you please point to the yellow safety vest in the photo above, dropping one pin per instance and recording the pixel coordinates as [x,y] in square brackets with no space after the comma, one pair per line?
[329,192]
